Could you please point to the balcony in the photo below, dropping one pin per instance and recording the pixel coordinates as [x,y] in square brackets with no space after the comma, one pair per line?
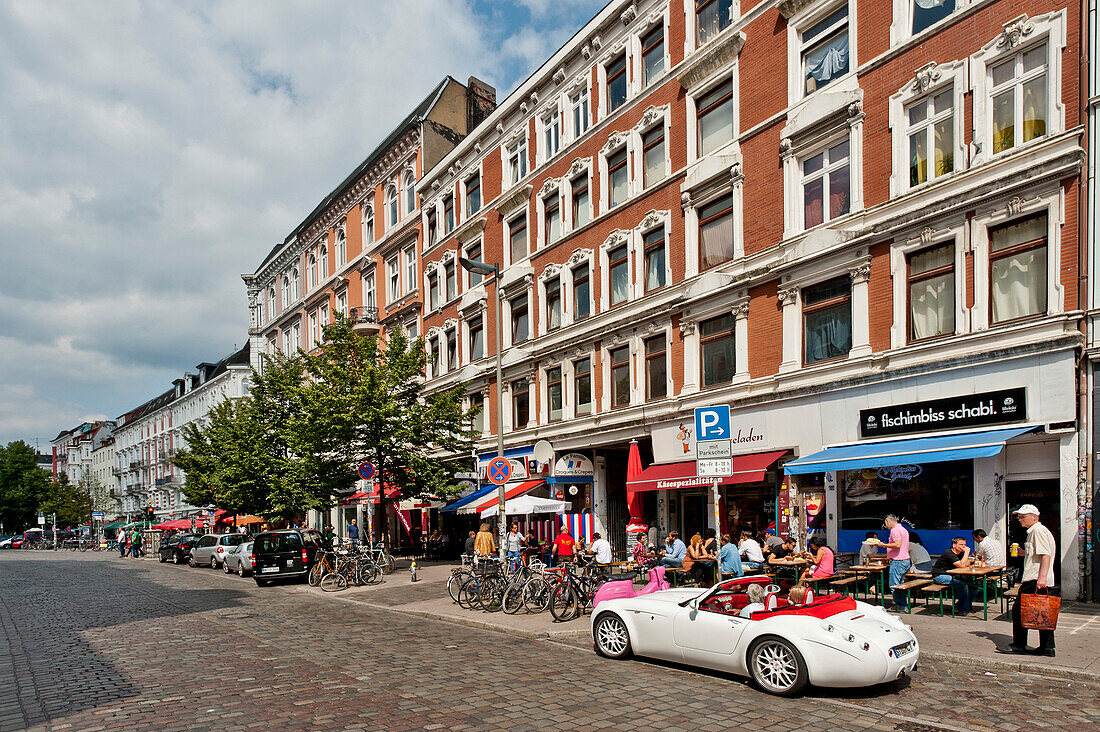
[364,321]
[165,482]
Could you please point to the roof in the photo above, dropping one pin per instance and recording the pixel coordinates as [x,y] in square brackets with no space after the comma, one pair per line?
[418,115]
[238,357]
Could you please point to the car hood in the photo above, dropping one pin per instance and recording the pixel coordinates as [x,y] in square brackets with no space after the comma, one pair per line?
[872,624]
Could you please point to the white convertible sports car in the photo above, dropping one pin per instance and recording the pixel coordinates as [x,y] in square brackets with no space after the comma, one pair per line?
[829,641]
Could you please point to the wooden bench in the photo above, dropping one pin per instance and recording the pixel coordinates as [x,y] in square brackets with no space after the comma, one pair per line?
[679,577]
[843,584]
[939,590]
[1014,592]
[816,582]
[913,584]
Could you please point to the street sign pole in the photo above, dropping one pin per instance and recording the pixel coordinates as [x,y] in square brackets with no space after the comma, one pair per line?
[370,512]
[718,531]
[713,459]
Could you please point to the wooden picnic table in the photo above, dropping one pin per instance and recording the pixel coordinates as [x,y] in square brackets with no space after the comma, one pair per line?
[979,577]
[873,569]
[787,563]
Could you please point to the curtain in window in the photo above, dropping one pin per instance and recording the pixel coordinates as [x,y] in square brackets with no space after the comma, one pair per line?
[828,61]
[839,187]
[814,192]
[933,306]
[1004,118]
[620,281]
[717,241]
[655,269]
[928,12]
[828,333]
[1019,285]
[1035,103]
[945,146]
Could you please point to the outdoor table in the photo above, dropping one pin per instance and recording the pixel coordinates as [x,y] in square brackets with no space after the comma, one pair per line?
[978,576]
[793,564]
[874,569]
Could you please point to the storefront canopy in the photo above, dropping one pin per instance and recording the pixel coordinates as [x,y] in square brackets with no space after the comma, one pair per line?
[746,469]
[480,493]
[511,491]
[527,505]
[906,452]
[114,525]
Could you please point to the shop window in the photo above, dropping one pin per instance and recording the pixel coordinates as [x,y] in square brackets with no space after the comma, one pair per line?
[711,18]
[656,368]
[553,393]
[714,112]
[653,54]
[520,322]
[827,320]
[826,185]
[581,204]
[937,497]
[825,50]
[716,233]
[582,385]
[551,219]
[620,376]
[616,83]
[521,404]
[553,304]
[931,292]
[618,261]
[717,345]
[931,137]
[928,12]
[517,238]
[1018,269]
[477,339]
[582,293]
[473,194]
[1019,98]
[654,243]
[619,180]
[653,156]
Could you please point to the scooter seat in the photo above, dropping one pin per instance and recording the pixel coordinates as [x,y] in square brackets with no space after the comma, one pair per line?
[622,577]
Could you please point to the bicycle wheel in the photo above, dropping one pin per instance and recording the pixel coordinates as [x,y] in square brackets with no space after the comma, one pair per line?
[316,572]
[512,600]
[468,593]
[367,573]
[560,608]
[454,584]
[491,594]
[334,582]
[389,564]
[536,595]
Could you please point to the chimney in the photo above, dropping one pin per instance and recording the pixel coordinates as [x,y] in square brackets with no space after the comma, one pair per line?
[481,100]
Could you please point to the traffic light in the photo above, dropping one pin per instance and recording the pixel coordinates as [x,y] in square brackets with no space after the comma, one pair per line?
[149,516]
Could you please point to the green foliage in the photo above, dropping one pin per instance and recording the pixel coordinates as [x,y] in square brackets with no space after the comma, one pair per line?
[23,486]
[71,504]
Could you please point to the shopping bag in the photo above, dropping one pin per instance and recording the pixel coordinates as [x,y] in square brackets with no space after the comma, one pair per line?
[1039,612]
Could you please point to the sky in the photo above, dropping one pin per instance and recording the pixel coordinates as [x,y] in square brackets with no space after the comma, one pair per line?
[152,152]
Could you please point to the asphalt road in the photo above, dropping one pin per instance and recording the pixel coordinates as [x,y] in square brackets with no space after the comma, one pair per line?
[91,641]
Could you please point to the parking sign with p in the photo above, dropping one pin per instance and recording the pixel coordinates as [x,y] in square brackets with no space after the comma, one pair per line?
[712,423]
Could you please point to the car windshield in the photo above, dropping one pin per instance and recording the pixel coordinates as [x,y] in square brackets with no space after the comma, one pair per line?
[270,543]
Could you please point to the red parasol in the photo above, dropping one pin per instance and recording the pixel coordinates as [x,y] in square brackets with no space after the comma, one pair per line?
[633,470]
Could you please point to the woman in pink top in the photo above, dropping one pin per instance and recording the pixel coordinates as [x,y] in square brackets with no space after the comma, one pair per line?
[823,559]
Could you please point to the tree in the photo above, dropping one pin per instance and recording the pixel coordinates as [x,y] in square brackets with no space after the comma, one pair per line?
[70,504]
[23,486]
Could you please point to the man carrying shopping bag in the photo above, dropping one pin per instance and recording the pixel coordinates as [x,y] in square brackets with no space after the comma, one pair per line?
[1038,577]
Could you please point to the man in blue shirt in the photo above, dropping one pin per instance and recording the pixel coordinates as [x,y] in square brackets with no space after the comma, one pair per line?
[731,558]
[675,551]
[353,531]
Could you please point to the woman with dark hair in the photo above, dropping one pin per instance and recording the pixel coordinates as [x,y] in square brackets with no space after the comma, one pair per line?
[918,555]
[823,559]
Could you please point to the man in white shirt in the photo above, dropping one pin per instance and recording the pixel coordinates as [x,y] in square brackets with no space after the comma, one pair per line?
[750,551]
[1039,553]
[988,548]
[601,548]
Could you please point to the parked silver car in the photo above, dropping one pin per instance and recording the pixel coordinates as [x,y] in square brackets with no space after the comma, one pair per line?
[212,548]
[239,560]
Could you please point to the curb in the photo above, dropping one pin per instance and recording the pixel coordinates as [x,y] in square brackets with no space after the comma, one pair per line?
[481,624]
[1059,672]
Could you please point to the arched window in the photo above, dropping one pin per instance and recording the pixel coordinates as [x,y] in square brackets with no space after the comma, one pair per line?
[311,272]
[286,291]
[270,303]
[294,280]
[368,226]
[322,260]
[410,193]
[391,205]
[341,248]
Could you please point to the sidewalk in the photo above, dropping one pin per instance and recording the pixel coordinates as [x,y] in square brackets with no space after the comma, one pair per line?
[964,640]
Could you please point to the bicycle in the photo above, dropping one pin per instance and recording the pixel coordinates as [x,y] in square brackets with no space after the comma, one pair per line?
[575,592]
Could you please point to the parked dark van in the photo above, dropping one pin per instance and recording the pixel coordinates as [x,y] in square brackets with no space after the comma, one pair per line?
[288,553]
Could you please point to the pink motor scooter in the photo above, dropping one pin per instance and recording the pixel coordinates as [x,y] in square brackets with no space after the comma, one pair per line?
[625,588]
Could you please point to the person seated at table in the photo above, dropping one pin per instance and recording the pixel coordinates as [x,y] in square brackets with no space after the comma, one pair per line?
[752,557]
[822,557]
[675,551]
[957,557]
[988,548]
[771,541]
[702,561]
[642,555]
[730,559]
[601,549]
[918,555]
[710,541]
[868,550]
[783,551]
[797,595]
[757,595]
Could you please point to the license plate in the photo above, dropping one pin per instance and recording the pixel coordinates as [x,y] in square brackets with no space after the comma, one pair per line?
[270,569]
[902,650]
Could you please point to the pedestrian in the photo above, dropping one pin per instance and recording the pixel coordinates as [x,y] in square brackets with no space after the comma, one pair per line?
[1039,552]
[469,548]
[869,547]
[353,532]
[513,545]
[123,542]
[563,547]
[329,536]
[897,551]
[957,556]
[988,548]
[675,551]
[484,543]
[135,544]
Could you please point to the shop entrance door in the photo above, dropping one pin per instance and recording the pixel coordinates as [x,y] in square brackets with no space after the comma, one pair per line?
[1044,495]
[693,515]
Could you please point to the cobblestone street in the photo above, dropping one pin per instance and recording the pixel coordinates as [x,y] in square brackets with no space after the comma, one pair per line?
[93,642]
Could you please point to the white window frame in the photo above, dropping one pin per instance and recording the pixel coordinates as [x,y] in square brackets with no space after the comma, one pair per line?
[618,141]
[550,191]
[392,205]
[1018,35]
[901,27]
[544,396]
[929,80]
[519,170]
[409,256]
[579,96]
[606,398]
[579,258]
[341,247]
[322,317]
[549,118]
[620,48]
[803,20]
[393,279]
[408,182]
[507,224]
[466,213]
[311,271]
[313,336]
[342,302]
[551,273]
[638,82]
[431,273]
[793,210]
[270,303]
[580,167]
[367,228]
[295,277]
[652,221]
[954,231]
[691,38]
[651,118]
[467,282]
[370,292]
[617,238]
[322,261]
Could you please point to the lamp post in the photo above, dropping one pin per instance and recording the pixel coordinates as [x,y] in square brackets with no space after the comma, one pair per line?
[486,270]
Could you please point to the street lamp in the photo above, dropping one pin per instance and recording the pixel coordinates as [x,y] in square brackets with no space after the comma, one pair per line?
[486,270]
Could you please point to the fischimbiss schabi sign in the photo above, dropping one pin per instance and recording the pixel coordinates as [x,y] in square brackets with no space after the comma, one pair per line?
[975,410]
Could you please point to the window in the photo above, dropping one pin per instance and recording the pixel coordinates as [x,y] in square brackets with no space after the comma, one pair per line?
[270,303]
[653,156]
[578,105]
[618,263]
[473,253]
[927,12]
[342,303]
[553,393]
[452,349]
[478,423]
[553,304]
[477,339]
[368,228]
[714,110]
[618,186]
[311,271]
[825,177]
[653,54]
[436,348]
[551,223]
[827,319]
[312,328]
[521,403]
[393,285]
[520,324]
[711,18]
[716,233]
[433,232]
[716,344]
[322,261]
[410,192]
[451,280]
[448,214]
[620,376]
[1019,92]
[1018,269]
[582,293]
[551,135]
[410,330]
[517,161]
[517,236]
[341,248]
[294,278]
[433,291]
[391,205]
[931,133]
[580,201]
[322,317]
[616,83]
[473,194]
[654,244]
[656,368]
[825,50]
[370,297]
[410,269]
[931,279]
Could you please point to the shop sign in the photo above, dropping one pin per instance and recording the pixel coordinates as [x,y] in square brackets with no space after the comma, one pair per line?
[674,442]
[976,410]
[895,473]
[573,465]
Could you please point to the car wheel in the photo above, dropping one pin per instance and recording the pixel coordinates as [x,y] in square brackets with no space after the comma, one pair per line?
[240,570]
[226,569]
[612,636]
[191,562]
[213,563]
[162,559]
[176,558]
[777,667]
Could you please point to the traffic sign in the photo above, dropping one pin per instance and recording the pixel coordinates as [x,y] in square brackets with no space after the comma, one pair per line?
[366,471]
[41,519]
[467,476]
[714,468]
[499,470]
[98,515]
[712,449]
[712,423]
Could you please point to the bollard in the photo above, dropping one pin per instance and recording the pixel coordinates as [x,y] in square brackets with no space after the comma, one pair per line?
[413,571]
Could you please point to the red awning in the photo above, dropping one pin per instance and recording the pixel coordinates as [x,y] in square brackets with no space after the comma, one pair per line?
[391,491]
[510,492]
[746,469]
